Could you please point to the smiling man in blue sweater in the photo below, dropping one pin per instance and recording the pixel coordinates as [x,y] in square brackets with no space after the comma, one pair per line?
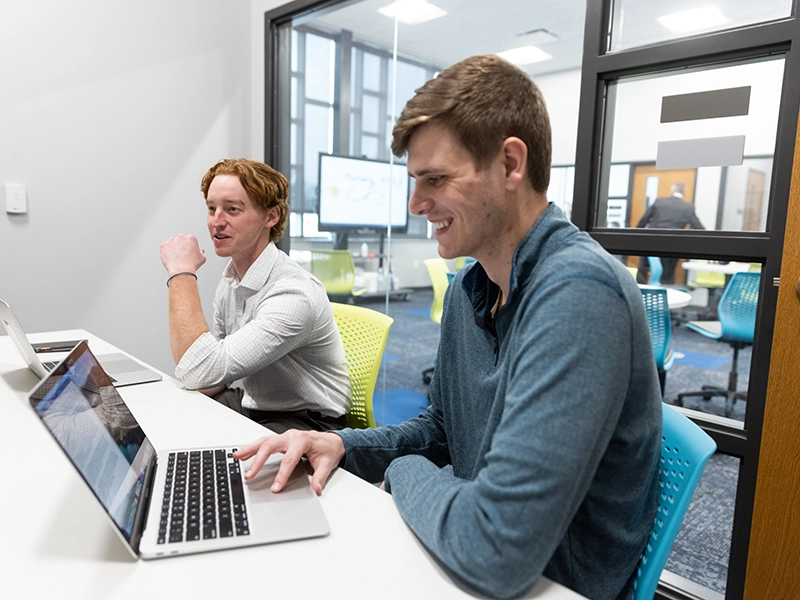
[538,454]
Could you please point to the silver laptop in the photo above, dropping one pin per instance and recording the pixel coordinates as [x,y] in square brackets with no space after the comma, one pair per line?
[122,369]
[166,502]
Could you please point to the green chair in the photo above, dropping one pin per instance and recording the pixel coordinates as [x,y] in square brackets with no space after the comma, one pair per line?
[364,332]
[708,279]
[437,270]
[462,261]
[337,272]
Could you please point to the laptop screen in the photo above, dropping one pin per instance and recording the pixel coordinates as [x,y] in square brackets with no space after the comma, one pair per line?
[90,421]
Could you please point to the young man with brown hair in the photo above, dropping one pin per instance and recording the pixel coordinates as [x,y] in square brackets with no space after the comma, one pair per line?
[539,452]
[275,326]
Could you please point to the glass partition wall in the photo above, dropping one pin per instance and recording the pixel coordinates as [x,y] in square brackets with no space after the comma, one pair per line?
[682,171]
[644,113]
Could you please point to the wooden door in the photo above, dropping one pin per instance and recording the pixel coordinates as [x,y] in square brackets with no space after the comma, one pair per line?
[773,565]
[753,201]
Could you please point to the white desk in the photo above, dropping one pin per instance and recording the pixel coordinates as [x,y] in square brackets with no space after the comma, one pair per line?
[58,543]
[675,298]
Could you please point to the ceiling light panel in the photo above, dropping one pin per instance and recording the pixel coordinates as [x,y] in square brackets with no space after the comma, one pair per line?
[412,12]
[696,19]
[525,55]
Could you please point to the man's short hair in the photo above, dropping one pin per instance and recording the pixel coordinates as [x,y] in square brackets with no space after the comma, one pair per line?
[679,188]
[265,186]
[483,100]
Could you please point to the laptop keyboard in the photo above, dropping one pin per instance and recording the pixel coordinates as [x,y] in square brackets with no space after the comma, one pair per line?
[203,497]
[49,365]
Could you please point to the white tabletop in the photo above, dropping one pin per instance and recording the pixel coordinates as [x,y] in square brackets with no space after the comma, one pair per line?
[675,298]
[59,544]
[712,267]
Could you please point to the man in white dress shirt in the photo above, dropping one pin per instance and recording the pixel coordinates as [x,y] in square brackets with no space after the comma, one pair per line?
[274,324]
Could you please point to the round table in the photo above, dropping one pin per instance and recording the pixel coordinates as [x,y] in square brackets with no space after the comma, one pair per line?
[675,298]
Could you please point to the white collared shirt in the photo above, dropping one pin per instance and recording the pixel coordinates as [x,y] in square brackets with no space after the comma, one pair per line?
[275,332]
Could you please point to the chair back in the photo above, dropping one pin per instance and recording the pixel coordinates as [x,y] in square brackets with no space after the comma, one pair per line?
[335,269]
[656,270]
[708,279]
[462,261]
[437,269]
[658,318]
[685,450]
[364,332]
[737,307]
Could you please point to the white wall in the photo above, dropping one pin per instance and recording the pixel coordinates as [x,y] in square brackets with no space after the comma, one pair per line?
[110,113]
[562,93]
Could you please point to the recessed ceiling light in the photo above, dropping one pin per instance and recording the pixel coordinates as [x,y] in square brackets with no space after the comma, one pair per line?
[525,55]
[693,20]
[412,12]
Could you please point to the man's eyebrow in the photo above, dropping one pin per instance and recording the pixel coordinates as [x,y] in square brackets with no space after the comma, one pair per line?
[423,172]
[228,201]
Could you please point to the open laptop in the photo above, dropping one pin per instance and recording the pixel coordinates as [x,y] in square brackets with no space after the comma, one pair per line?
[122,369]
[165,502]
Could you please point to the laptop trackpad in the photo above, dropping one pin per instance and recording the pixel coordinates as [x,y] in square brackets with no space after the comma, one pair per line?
[118,363]
[297,484]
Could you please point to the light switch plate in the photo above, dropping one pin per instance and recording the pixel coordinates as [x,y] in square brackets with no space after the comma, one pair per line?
[16,198]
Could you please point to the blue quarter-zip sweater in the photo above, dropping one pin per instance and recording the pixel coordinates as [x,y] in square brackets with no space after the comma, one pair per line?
[539,451]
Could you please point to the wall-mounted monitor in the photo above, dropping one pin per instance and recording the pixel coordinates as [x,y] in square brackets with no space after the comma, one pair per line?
[354,195]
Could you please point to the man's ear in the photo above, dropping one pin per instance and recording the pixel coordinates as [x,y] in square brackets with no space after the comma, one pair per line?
[515,161]
[273,216]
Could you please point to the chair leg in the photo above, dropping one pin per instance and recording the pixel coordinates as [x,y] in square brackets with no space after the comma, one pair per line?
[730,394]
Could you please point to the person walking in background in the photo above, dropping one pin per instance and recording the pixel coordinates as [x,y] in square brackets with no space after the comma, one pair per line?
[671,212]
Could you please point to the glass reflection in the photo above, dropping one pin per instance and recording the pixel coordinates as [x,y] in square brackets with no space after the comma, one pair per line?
[670,130]
[712,313]
[644,22]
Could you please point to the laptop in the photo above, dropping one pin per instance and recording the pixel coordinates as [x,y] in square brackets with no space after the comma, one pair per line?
[166,503]
[122,369]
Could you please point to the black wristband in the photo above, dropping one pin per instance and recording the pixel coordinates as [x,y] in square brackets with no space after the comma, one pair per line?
[181,273]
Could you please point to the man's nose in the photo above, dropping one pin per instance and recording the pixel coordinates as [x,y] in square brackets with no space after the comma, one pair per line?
[419,204]
[216,217]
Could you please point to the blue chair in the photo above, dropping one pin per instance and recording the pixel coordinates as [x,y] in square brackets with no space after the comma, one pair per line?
[658,318]
[656,270]
[685,450]
[737,323]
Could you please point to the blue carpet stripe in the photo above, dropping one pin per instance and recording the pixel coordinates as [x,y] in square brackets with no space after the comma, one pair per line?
[697,359]
[397,405]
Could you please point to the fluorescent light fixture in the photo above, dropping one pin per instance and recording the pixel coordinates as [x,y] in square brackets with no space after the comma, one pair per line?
[412,12]
[525,55]
[695,19]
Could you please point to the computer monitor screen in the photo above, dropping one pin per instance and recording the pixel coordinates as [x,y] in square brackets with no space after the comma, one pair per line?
[354,194]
